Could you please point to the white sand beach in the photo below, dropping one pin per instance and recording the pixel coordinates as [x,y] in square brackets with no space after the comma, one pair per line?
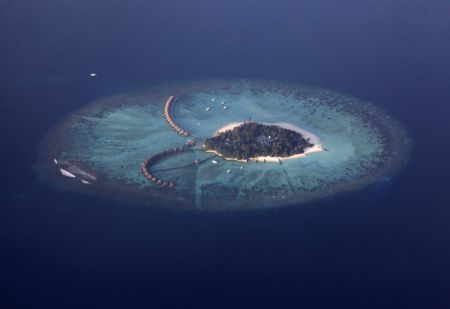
[314,139]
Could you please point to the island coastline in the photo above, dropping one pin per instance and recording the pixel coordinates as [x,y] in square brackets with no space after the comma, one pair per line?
[307,134]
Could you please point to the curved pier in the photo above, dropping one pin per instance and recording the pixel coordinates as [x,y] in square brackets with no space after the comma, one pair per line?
[146,171]
[145,166]
[168,116]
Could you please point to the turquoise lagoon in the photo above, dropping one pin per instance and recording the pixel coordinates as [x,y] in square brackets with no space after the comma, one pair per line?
[112,136]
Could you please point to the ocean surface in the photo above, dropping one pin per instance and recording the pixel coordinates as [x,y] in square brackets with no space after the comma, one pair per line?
[387,246]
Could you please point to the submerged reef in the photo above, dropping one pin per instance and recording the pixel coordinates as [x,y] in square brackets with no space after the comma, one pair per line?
[126,147]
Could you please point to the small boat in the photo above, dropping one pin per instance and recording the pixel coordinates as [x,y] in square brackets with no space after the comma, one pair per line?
[85,182]
[222,103]
[56,161]
[225,107]
[228,171]
[67,173]
[93,75]
[214,162]
[241,167]
[213,99]
[208,109]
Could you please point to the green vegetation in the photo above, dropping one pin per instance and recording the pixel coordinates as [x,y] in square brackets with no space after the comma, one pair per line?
[253,139]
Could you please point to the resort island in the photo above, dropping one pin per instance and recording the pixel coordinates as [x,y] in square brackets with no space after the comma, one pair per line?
[252,140]
[199,145]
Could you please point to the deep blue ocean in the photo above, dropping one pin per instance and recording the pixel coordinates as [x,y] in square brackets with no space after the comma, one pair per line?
[387,246]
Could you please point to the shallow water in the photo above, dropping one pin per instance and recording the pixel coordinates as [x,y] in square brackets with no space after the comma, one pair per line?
[382,247]
[113,136]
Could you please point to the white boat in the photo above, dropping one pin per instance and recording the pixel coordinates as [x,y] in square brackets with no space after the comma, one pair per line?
[208,109]
[225,107]
[93,75]
[213,99]
[221,103]
[228,171]
[241,167]
[85,182]
[67,173]
[214,162]
[56,161]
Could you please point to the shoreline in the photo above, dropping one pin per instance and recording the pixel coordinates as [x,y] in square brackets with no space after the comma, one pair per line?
[317,147]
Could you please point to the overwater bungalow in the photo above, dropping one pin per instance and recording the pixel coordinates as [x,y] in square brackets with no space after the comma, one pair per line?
[167,115]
